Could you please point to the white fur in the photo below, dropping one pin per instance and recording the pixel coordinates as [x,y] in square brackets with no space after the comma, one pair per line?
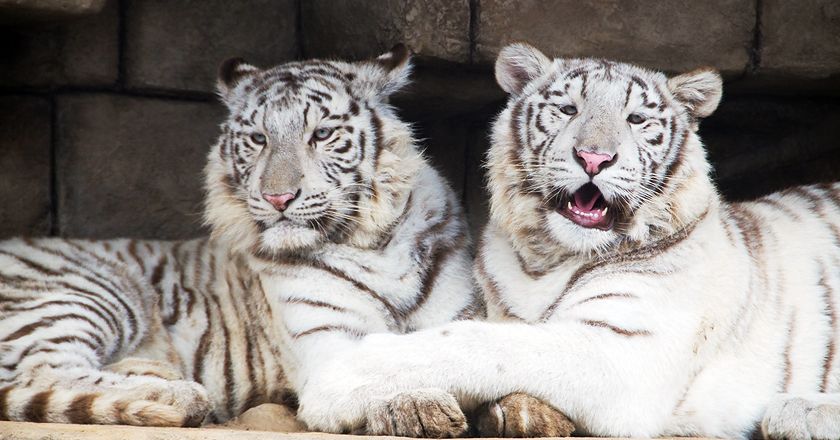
[689,321]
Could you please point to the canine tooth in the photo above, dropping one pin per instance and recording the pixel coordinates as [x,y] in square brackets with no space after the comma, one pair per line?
[605,210]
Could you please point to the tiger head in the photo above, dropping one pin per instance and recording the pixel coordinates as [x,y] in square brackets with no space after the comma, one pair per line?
[310,153]
[592,154]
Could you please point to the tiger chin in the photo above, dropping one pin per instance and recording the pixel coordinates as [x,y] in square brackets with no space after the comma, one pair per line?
[627,293]
[328,227]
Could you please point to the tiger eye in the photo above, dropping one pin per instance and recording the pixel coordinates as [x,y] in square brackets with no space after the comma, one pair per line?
[636,118]
[569,110]
[258,138]
[322,133]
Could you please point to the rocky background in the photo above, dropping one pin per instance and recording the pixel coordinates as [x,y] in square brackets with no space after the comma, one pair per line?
[107,107]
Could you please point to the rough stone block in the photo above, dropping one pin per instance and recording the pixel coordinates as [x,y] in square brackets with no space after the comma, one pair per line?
[179,44]
[357,29]
[130,166]
[24,166]
[673,36]
[801,38]
[79,52]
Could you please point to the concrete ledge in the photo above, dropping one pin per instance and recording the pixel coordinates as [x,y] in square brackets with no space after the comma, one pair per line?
[49,9]
[57,431]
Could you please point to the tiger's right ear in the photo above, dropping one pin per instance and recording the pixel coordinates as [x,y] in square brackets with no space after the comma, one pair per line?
[231,72]
[518,64]
[699,91]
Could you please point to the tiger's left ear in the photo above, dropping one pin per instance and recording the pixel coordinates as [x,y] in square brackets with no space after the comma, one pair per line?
[386,74]
[231,73]
[699,91]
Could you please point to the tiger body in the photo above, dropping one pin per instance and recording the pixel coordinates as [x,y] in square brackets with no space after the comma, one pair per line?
[626,292]
[756,319]
[319,237]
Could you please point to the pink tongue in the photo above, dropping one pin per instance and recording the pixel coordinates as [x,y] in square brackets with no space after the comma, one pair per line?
[586,205]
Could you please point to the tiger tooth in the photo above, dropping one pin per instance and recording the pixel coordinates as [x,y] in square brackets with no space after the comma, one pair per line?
[570,206]
[605,210]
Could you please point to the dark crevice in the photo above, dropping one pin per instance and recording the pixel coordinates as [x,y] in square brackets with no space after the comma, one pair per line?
[470,142]
[53,161]
[473,31]
[754,62]
[174,95]
[122,40]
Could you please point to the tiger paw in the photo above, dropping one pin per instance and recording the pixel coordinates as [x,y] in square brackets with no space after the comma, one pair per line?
[146,401]
[520,415]
[145,367]
[429,413]
[795,418]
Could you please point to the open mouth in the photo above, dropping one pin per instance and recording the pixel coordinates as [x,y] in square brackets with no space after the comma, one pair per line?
[587,207]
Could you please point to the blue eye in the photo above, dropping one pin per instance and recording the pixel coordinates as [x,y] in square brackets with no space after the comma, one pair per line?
[322,134]
[569,110]
[258,138]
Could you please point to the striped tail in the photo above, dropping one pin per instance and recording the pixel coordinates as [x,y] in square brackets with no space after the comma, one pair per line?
[155,403]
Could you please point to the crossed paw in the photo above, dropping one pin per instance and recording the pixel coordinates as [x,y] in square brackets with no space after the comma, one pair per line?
[434,413]
[429,413]
[521,415]
[797,418]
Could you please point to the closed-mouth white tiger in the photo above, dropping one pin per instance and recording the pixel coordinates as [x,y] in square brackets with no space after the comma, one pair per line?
[635,300]
[327,224]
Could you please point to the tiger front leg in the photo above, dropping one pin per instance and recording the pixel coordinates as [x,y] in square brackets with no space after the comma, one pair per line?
[455,357]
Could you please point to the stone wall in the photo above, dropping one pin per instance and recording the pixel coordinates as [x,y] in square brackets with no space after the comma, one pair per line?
[106,117]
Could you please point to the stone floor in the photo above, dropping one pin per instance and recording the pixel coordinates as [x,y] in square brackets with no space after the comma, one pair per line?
[44,431]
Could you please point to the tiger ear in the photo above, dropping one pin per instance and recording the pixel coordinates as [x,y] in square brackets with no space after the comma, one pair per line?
[386,74]
[231,72]
[518,64]
[699,91]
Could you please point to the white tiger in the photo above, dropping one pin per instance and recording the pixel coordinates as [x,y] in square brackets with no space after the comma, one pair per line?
[327,224]
[634,299]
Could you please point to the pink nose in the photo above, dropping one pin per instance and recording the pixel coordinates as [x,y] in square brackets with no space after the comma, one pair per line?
[279,201]
[592,161]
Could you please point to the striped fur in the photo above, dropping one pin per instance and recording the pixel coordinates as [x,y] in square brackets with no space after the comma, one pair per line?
[178,333]
[688,316]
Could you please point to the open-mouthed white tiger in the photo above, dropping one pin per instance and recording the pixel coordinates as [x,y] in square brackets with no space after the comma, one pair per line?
[327,225]
[639,303]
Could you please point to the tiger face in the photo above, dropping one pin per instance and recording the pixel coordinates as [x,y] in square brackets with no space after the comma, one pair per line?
[593,150]
[307,153]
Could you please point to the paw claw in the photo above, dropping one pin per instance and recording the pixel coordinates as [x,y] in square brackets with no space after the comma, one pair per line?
[427,413]
[520,415]
[157,402]
[796,418]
